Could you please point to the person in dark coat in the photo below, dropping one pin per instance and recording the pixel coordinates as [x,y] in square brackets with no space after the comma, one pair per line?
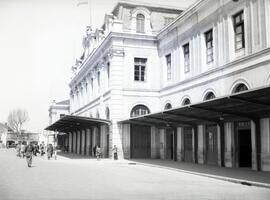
[29,149]
[115,152]
[95,150]
[49,151]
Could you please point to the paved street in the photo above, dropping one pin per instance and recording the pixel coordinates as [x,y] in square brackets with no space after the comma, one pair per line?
[90,179]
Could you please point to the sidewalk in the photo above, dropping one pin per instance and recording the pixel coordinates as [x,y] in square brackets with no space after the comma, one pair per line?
[237,175]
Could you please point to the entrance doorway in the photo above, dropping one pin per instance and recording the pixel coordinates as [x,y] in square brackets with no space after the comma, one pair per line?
[140,141]
[188,153]
[245,149]
[169,144]
[211,145]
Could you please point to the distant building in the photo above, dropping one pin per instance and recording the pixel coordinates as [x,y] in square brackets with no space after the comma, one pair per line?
[56,111]
[8,136]
[189,86]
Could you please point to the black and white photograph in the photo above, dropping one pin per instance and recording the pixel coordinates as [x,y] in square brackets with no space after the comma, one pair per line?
[134,99]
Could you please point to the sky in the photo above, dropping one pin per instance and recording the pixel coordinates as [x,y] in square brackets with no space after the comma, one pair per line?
[39,42]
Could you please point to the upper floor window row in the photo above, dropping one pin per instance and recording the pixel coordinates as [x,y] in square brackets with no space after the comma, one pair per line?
[140,69]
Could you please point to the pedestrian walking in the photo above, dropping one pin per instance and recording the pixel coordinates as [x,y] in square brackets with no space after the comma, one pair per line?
[18,149]
[49,151]
[55,152]
[29,149]
[98,152]
[115,152]
[42,149]
[23,150]
[95,150]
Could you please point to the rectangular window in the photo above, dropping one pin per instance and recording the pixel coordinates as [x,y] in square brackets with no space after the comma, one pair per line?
[239,30]
[169,67]
[209,46]
[140,69]
[186,57]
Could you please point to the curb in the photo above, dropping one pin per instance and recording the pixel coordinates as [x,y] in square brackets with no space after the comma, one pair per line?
[223,178]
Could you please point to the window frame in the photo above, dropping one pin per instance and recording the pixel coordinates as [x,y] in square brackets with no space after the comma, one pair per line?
[208,35]
[140,69]
[169,66]
[140,23]
[241,35]
[186,54]
[136,111]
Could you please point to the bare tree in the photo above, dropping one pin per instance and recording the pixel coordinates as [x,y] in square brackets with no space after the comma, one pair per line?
[16,119]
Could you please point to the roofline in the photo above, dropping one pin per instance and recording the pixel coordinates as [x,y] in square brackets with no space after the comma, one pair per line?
[150,5]
[192,7]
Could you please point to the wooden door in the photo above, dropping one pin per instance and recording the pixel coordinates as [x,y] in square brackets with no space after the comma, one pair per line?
[211,145]
[169,144]
[140,141]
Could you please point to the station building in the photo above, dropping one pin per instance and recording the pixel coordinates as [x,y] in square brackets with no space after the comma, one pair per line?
[190,85]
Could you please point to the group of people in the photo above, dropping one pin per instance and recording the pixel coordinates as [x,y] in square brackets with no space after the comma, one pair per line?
[29,150]
[97,152]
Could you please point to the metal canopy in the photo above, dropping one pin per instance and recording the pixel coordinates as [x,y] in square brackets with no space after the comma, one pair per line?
[247,105]
[70,123]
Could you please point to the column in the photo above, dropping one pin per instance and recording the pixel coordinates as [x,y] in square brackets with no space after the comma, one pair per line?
[88,142]
[180,152]
[103,145]
[70,142]
[219,144]
[78,142]
[83,142]
[265,140]
[229,129]
[74,144]
[162,143]
[154,142]
[126,141]
[201,144]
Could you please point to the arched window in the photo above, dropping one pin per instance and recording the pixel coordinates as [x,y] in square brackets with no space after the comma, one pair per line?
[186,101]
[140,23]
[240,88]
[209,95]
[168,106]
[107,113]
[139,110]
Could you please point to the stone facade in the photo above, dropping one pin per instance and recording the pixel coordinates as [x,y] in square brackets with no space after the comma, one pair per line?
[213,47]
